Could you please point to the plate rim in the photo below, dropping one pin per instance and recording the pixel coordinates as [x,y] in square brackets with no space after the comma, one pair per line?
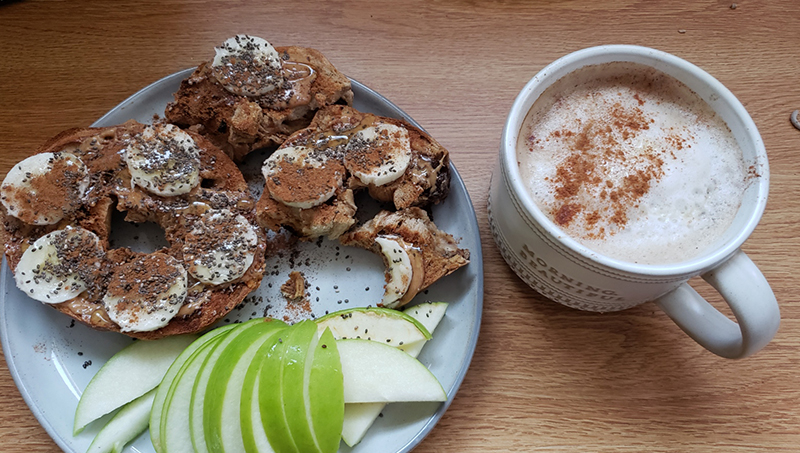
[476,259]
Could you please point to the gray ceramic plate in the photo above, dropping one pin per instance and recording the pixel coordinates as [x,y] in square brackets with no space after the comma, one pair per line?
[52,359]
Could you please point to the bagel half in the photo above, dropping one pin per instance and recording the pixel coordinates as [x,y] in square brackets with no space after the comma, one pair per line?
[239,124]
[425,181]
[222,187]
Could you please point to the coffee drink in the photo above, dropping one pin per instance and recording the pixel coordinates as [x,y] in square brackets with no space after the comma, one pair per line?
[617,184]
[632,164]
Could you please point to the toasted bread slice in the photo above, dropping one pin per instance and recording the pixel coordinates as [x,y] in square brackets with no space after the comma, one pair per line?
[222,188]
[239,124]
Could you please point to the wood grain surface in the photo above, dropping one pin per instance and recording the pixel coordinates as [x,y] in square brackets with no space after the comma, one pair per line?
[544,377]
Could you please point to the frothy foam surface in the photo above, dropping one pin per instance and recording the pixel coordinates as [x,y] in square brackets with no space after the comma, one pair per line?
[632,164]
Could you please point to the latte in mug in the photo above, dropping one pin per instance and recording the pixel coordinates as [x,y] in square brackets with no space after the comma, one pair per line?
[632,164]
[618,185]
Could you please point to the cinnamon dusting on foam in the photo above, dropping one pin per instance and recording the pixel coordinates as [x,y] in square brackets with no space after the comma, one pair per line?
[593,147]
[631,163]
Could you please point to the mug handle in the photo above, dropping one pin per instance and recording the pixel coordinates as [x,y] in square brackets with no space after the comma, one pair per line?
[750,298]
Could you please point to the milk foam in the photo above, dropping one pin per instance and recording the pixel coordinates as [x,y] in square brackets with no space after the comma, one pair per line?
[632,164]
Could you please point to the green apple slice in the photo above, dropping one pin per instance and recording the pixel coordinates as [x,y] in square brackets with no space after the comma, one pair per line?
[221,410]
[173,422]
[392,327]
[166,387]
[326,394]
[270,396]
[376,373]
[283,390]
[358,417]
[429,314]
[124,426]
[129,374]
[297,363]
[197,401]
[300,393]
[253,435]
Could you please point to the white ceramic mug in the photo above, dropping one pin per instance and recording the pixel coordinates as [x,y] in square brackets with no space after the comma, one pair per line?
[565,271]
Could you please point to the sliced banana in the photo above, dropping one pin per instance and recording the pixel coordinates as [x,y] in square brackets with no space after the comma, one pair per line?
[404,272]
[302,177]
[247,66]
[378,154]
[220,247]
[146,293]
[45,187]
[57,266]
[164,160]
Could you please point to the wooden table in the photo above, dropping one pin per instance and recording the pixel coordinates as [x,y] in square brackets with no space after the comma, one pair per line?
[544,377]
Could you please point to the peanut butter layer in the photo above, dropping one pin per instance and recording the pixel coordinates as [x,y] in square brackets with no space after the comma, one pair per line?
[239,124]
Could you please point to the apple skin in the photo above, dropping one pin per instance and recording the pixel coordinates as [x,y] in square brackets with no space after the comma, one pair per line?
[128,374]
[385,325]
[126,424]
[326,394]
[297,365]
[270,396]
[221,420]
[175,430]
[201,383]
[253,435]
[166,386]
[300,391]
